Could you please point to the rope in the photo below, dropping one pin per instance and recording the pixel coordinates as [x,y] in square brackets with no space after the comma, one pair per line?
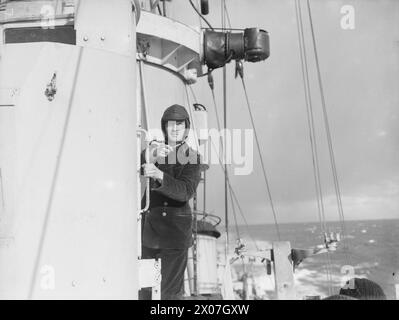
[329,138]
[261,161]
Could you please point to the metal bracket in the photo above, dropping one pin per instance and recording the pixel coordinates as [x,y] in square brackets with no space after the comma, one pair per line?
[51,88]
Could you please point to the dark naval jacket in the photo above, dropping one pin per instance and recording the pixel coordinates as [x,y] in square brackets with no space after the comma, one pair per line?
[168,222]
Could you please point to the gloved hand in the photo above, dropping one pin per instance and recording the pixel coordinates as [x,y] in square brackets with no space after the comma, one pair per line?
[151,171]
[158,150]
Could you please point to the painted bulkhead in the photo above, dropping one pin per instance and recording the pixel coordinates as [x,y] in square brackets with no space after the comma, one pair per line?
[68,152]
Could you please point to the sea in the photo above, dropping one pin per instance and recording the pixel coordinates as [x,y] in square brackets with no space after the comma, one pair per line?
[367,249]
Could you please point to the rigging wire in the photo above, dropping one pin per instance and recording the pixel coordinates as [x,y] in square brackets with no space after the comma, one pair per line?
[226,202]
[226,13]
[269,194]
[329,138]
[232,192]
[257,141]
[200,15]
[192,117]
[237,201]
[312,135]
[228,178]
[234,215]
[310,118]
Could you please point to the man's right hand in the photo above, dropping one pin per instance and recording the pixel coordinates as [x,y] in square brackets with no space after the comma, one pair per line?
[158,150]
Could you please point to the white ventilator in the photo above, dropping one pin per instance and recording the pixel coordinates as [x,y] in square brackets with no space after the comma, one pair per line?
[207,275]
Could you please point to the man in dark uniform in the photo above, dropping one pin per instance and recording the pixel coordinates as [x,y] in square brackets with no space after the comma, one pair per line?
[175,171]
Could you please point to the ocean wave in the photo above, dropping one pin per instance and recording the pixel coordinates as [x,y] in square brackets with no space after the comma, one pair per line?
[367,265]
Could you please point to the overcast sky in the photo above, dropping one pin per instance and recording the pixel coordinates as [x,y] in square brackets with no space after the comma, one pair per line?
[360,73]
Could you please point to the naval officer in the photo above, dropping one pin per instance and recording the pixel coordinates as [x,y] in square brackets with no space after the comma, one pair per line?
[175,171]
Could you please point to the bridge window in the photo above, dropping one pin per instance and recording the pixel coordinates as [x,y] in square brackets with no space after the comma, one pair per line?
[61,34]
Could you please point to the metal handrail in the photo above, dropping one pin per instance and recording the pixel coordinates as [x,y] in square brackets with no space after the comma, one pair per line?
[206,215]
[147,160]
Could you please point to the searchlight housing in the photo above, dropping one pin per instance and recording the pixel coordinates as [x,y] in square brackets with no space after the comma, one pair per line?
[220,47]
